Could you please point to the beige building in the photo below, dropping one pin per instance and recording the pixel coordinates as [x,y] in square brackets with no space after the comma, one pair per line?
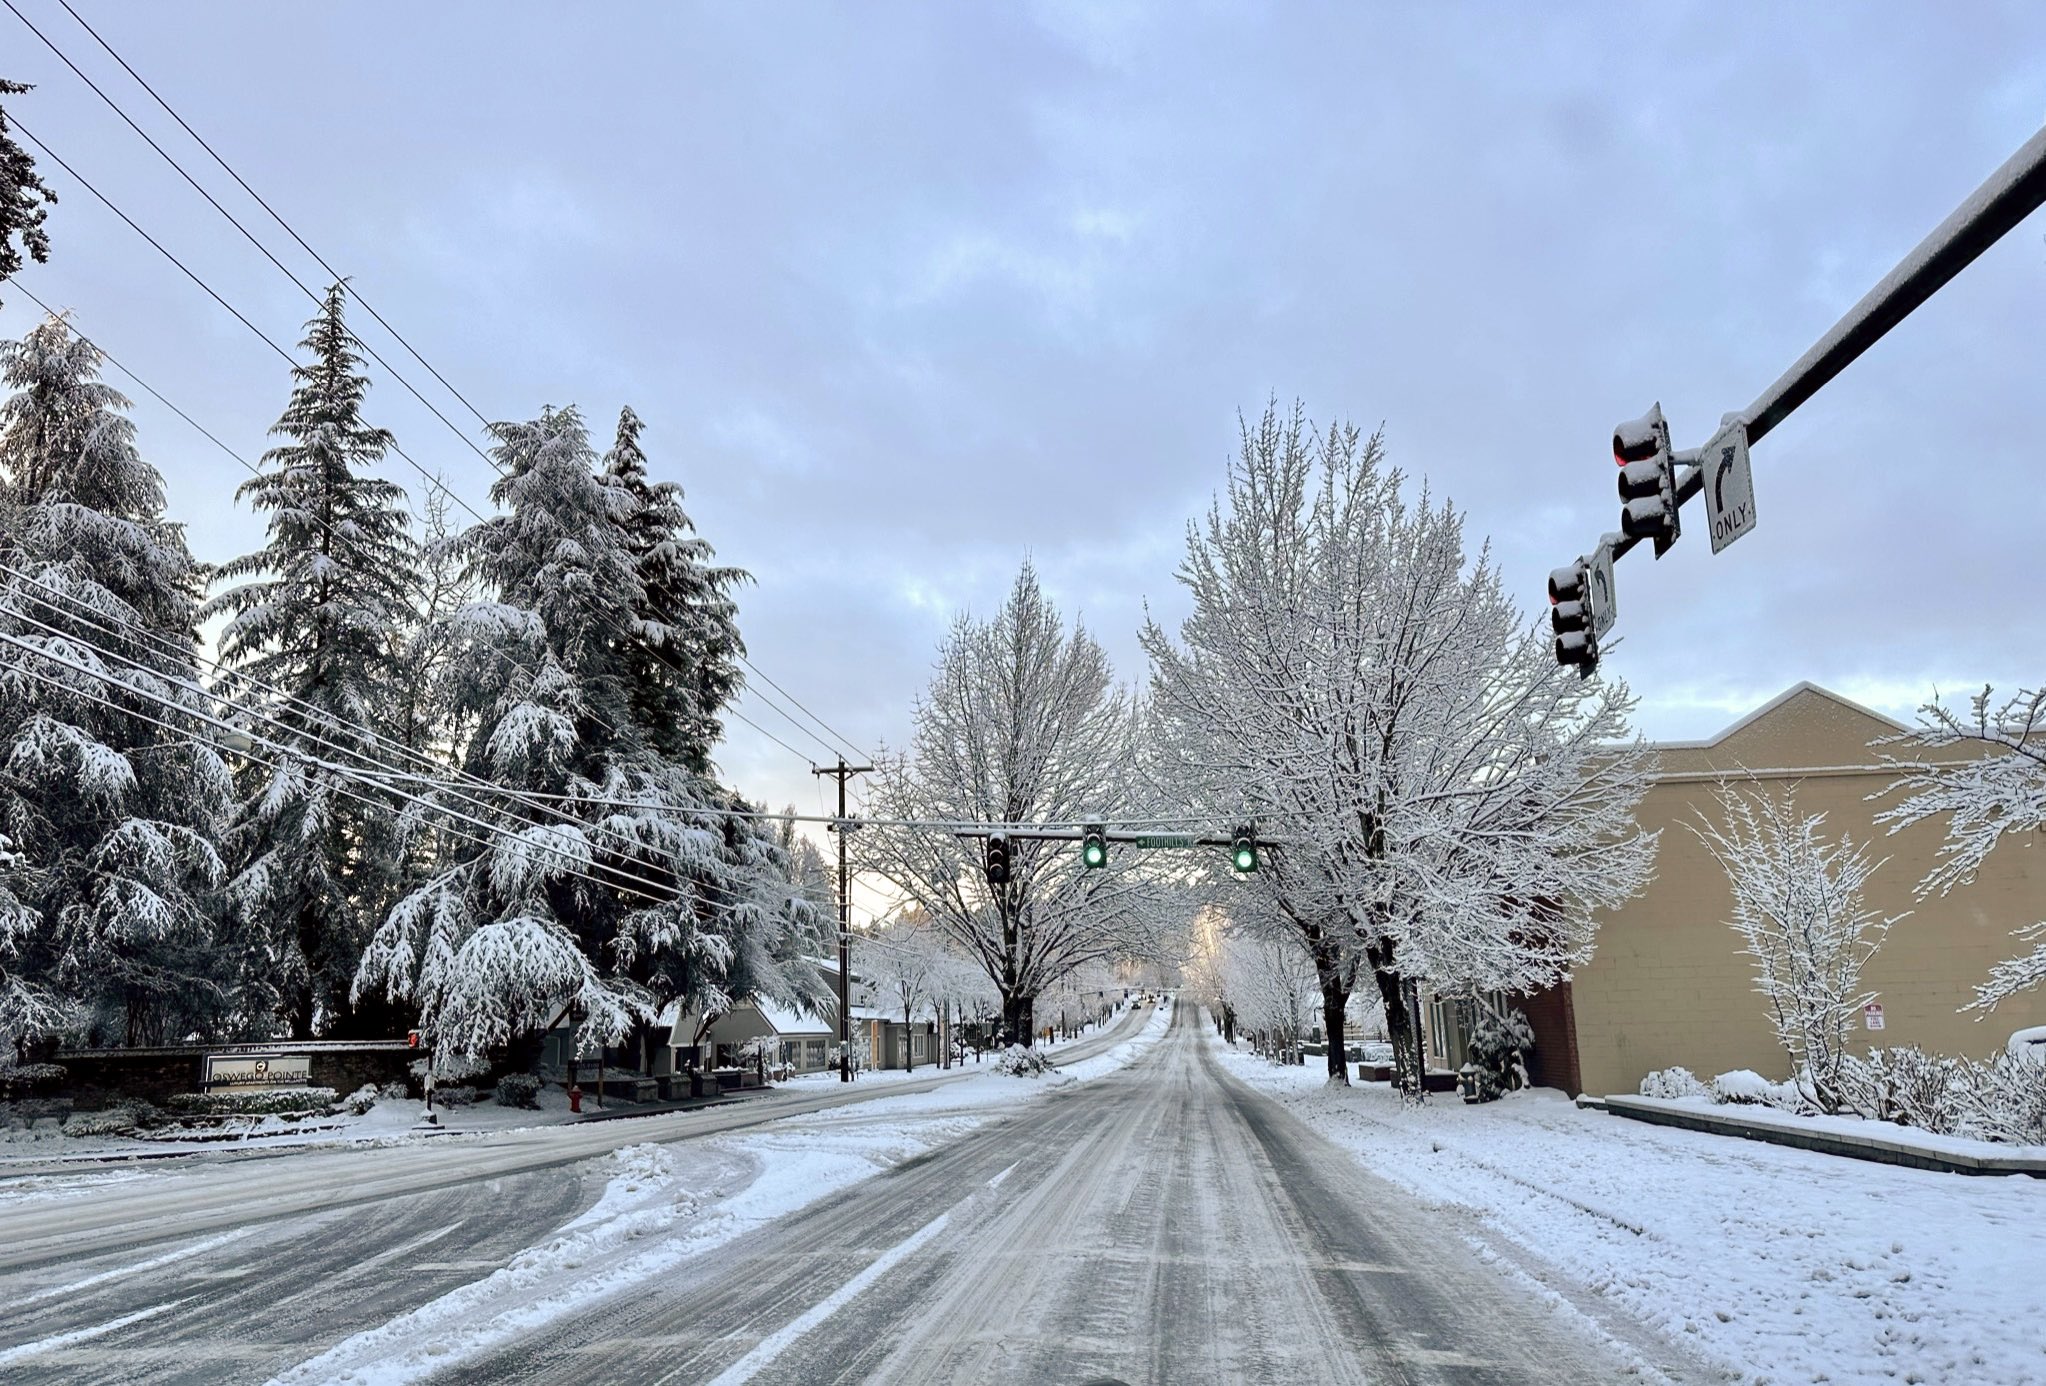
[1668,984]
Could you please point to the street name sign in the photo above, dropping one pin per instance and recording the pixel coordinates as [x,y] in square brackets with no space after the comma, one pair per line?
[1729,485]
[1165,839]
[1601,595]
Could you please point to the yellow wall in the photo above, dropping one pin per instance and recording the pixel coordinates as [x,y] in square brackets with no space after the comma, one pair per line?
[1668,985]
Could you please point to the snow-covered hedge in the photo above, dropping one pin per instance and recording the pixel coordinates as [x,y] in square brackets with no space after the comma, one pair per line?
[1018,1062]
[278,1102]
[1498,1050]
[361,1100]
[122,1119]
[519,1090]
[28,1079]
[1672,1082]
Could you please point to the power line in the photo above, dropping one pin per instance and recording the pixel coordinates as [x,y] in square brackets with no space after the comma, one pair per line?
[374,354]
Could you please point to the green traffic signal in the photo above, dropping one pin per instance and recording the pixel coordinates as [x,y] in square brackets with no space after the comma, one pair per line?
[1243,849]
[1094,847]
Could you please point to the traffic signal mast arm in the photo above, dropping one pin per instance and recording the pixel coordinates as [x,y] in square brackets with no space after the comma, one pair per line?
[2006,198]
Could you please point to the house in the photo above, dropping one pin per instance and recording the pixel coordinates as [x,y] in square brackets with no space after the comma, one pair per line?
[1667,983]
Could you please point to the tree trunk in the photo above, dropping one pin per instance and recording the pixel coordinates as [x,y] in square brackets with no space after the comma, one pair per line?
[1402,1023]
[1335,1000]
[908,1043]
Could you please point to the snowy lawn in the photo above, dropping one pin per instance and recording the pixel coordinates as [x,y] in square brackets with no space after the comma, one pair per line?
[1789,1265]
[666,1204]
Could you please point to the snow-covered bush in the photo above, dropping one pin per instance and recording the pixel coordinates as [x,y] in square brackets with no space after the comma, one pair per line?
[277,1102]
[2008,1101]
[1910,1087]
[1499,1045]
[361,1100]
[27,1080]
[1745,1086]
[1018,1062]
[1672,1082]
[394,1091]
[519,1090]
[122,1119]
[459,1096]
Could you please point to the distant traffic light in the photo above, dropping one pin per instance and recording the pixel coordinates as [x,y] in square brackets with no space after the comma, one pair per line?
[996,859]
[1094,846]
[1648,481]
[1570,617]
[1243,848]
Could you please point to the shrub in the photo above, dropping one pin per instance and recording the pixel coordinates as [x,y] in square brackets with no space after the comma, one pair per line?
[1018,1062]
[453,1097]
[2007,1102]
[1745,1086]
[1499,1043]
[277,1102]
[359,1102]
[30,1079]
[1911,1088]
[519,1090]
[394,1091]
[1672,1082]
[121,1119]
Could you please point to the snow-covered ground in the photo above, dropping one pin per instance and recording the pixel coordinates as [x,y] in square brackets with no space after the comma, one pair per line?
[392,1121]
[1788,1265]
[665,1205]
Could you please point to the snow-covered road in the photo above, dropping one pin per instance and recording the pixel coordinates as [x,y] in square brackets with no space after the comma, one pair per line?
[236,1270]
[1161,1224]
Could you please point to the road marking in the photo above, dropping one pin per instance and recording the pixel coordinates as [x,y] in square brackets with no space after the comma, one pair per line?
[996,1182]
[117,1272]
[772,1346]
[79,1335]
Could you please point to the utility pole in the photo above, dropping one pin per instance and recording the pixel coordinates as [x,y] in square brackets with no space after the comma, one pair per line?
[843,772]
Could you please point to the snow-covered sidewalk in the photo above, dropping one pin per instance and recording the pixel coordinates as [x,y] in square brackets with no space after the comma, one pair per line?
[665,1205]
[1788,1265]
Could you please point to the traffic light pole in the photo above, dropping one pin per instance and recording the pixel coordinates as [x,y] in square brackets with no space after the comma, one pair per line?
[2006,198]
[843,772]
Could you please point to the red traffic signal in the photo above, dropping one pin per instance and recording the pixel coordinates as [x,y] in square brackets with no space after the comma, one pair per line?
[411,1039]
[1648,483]
[1570,617]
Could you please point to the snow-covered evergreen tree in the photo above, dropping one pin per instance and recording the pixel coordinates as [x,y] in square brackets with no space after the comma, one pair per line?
[318,615]
[110,892]
[614,878]
[682,665]
[22,197]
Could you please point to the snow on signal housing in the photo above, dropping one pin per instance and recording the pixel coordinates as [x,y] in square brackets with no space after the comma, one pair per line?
[1648,483]
[1570,617]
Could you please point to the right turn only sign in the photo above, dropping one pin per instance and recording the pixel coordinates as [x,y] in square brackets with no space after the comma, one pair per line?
[1729,485]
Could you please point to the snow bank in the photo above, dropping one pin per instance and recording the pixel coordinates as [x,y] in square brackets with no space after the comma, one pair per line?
[1789,1265]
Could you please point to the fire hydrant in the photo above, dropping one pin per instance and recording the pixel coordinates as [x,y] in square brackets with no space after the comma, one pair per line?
[575,1098]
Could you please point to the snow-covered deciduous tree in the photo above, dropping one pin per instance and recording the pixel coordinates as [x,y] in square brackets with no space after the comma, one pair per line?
[682,667]
[1446,803]
[1023,723]
[1271,985]
[111,894]
[1797,906]
[900,964]
[1995,787]
[23,197]
[318,616]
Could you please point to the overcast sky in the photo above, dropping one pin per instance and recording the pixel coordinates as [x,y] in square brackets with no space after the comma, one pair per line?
[907,293]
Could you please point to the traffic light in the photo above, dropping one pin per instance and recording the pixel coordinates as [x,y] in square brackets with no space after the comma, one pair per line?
[1648,480]
[1243,848]
[997,859]
[1570,617]
[1094,846]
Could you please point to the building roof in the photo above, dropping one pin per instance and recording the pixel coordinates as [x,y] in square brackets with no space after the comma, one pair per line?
[1766,709]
